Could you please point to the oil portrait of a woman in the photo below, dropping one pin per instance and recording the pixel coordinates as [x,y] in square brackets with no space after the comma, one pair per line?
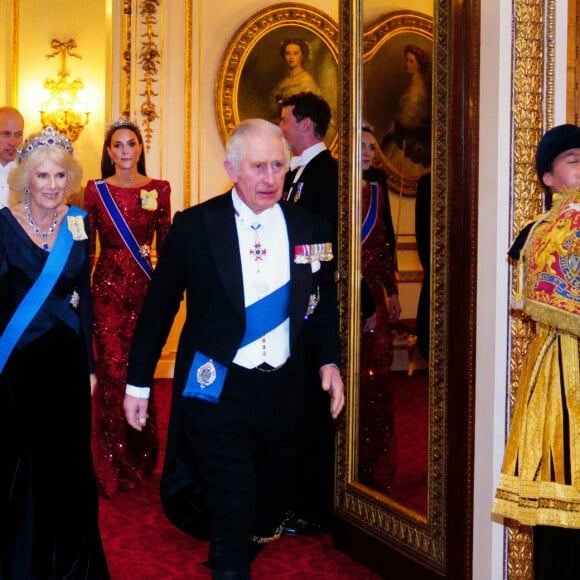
[407,143]
[296,53]
[278,52]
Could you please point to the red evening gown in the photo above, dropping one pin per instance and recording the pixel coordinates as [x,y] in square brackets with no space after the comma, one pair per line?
[377,452]
[122,455]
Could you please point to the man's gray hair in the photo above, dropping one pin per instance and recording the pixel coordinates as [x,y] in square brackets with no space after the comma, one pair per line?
[235,147]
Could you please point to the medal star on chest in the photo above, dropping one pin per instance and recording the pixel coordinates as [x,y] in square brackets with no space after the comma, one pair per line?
[258,251]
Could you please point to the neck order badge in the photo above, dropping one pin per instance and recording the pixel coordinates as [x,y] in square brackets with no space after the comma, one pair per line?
[258,251]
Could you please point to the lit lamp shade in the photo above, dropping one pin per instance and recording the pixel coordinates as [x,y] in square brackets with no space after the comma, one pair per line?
[63,106]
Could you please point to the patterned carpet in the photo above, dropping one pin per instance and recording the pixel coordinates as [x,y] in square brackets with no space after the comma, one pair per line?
[141,543]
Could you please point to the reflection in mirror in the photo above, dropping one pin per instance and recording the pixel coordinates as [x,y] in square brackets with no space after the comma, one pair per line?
[397,93]
[391,534]
[379,310]
[394,333]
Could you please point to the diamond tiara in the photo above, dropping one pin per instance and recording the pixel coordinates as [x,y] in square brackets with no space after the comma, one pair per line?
[48,138]
[120,123]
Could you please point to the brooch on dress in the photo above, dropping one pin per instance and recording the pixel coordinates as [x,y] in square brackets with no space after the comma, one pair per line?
[75,299]
[76,227]
[149,199]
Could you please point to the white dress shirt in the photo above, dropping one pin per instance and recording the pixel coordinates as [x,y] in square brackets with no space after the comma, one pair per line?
[262,275]
[298,163]
[4,189]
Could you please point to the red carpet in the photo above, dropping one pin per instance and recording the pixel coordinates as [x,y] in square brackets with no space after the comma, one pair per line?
[141,543]
[410,408]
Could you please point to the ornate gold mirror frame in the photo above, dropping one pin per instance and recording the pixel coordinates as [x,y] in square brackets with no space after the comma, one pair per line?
[371,527]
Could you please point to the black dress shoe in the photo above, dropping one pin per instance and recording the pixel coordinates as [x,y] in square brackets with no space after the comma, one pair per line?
[301,527]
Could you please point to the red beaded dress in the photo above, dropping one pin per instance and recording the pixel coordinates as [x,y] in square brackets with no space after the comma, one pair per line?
[377,451]
[122,455]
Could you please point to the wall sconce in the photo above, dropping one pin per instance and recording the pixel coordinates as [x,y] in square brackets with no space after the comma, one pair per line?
[62,108]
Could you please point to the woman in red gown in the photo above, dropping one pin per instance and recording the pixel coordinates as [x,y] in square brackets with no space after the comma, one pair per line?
[379,311]
[126,210]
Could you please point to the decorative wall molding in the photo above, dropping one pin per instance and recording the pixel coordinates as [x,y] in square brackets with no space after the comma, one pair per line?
[532,113]
[141,62]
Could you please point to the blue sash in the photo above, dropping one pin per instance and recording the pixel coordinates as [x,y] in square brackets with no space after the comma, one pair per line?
[371,217]
[266,314]
[122,227]
[39,291]
[206,377]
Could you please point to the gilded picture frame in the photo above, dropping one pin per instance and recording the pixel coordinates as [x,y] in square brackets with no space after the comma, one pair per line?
[254,67]
[397,95]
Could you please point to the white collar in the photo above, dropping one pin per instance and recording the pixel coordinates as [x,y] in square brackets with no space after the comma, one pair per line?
[247,216]
[307,155]
[6,168]
[295,162]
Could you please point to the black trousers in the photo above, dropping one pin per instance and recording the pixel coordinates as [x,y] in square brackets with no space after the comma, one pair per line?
[556,553]
[244,447]
[313,483]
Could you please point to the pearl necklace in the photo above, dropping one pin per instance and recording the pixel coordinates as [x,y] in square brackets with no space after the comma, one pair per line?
[36,229]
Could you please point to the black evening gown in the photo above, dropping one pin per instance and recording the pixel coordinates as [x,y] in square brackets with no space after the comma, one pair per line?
[49,518]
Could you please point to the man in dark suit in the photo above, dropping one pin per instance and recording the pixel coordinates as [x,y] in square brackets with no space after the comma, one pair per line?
[257,276]
[312,183]
[313,179]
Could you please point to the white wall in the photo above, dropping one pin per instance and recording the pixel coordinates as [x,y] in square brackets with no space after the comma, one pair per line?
[493,227]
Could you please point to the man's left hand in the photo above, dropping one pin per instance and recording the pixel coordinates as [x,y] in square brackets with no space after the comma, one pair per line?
[136,411]
[332,383]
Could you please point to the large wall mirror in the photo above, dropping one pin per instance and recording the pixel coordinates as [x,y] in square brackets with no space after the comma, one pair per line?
[421,526]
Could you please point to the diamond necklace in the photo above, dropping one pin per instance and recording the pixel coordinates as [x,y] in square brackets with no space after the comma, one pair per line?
[35,228]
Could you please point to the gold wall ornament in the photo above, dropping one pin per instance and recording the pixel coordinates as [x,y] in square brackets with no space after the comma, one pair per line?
[140,62]
[126,59]
[149,59]
[63,108]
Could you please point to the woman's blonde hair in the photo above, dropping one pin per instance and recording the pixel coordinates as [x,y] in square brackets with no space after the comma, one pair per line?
[20,176]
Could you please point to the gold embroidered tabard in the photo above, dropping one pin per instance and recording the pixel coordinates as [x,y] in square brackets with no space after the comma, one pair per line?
[540,477]
[551,286]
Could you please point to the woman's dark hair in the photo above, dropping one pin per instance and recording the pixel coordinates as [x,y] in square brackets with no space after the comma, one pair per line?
[298,42]
[107,165]
[422,56]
